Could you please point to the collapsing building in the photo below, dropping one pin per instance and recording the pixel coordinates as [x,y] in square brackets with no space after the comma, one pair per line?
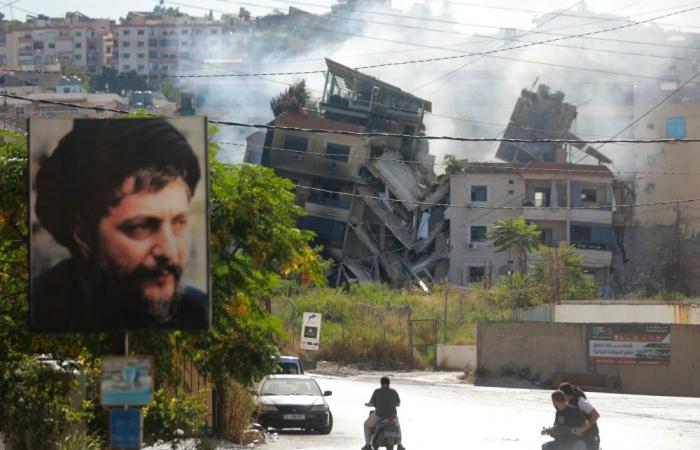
[368,198]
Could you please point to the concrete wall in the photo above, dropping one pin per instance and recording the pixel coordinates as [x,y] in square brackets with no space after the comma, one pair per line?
[456,357]
[601,311]
[547,348]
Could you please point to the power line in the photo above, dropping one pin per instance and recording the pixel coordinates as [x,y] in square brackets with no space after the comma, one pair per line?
[473,206]
[377,134]
[460,56]
[650,110]
[466,164]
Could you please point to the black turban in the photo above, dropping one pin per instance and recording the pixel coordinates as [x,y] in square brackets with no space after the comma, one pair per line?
[91,162]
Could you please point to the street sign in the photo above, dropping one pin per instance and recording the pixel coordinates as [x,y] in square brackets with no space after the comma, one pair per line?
[125,428]
[310,331]
[126,380]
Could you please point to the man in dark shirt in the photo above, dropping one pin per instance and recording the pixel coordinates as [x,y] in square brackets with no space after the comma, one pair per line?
[384,400]
[567,421]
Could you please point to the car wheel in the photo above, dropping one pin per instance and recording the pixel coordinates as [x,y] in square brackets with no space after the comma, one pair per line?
[327,430]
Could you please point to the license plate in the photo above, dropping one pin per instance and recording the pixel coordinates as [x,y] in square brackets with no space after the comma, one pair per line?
[294,416]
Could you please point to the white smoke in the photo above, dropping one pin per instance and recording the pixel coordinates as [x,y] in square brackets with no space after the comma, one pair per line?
[472,96]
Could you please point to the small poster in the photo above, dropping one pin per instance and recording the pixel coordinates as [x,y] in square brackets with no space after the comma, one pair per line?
[126,380]
[630,343]
[310,331]
[125,428]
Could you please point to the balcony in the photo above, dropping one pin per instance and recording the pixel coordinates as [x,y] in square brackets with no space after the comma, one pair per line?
[602,215]
[327,211]
[544,213]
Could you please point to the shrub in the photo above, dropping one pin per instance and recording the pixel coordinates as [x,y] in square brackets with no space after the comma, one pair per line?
[38,403]
[173,417]
[81,440]
[238,411]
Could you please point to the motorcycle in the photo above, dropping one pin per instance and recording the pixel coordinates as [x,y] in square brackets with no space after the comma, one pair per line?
[387,433]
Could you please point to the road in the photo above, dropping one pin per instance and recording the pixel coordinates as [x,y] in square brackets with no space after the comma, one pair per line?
[440,413]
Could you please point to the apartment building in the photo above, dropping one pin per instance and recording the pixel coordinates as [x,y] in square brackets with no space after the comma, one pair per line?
[75,39]
[571,203]
[161,42]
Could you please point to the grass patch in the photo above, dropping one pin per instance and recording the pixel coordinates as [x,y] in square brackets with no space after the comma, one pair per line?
[370,323]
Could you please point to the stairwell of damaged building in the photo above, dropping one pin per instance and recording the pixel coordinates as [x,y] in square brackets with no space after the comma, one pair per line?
[384,233]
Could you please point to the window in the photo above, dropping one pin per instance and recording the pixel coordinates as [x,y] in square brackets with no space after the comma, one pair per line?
[337,152]
[153,54]
[140,55]
[675,127]
[139,44]
[477,234]
[479,193]
[78,33]
[184,44]
[511,182]
[511,192]
[476,274]
[124,44]
[588,195]
[141,67]
[126,67]
[295,143]
[140,32]
[78,45]
[78,57]
[52,45]
[125,32]
[183,31]
[153,42]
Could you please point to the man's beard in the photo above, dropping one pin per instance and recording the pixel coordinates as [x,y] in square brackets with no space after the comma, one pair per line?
[127,291]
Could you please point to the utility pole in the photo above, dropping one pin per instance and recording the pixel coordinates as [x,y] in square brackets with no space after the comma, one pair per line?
[447,291]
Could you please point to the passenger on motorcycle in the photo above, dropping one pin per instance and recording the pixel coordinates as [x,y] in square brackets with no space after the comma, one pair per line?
[567,421]
[576,397]
[384,400]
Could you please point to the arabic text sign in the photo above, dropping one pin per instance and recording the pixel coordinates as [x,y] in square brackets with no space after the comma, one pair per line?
[631,343]
[311,331]
[126,380]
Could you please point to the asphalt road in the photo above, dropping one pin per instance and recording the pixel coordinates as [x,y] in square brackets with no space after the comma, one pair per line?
[439,414]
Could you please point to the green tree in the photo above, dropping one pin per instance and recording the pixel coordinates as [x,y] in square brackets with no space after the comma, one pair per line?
[293,99]
[454,165]
[560,275]
[515,235]
[170,91]
[254,246]
[111,80]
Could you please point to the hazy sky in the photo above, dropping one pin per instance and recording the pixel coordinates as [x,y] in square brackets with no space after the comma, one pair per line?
[466,11]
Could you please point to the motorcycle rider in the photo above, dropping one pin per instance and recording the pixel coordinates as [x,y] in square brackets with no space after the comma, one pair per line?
[577,398]
[385,401]
[567,420]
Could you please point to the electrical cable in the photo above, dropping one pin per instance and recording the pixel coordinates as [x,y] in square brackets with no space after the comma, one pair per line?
[377,134]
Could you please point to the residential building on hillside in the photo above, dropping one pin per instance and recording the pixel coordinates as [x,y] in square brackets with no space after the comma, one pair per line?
[74,39]
[164,42]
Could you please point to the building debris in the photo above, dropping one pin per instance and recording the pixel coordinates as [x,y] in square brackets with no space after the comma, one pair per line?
[374,209]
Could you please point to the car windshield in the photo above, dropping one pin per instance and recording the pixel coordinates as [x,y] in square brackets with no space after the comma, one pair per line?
[278,386]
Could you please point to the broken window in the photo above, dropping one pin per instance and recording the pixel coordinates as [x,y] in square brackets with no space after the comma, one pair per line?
[476,274]
[542,197]
[546,236]
[592,237]
[675,127]
[295,143]
[479,194]
[477,234]
[337,152]
[588,195]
